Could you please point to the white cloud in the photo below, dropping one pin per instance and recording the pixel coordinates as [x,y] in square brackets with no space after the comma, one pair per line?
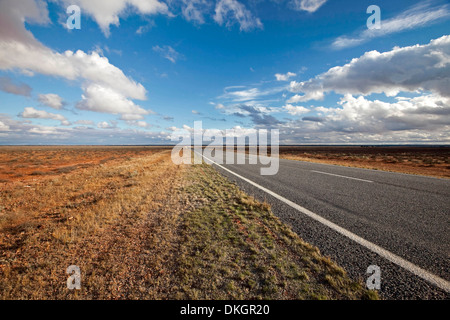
[143,29]
[106,100]
[419,15]
[106,125]
[3,127]
[91,67]
[195,10]
[422,119]
[249,94]
[44,130]
[107,12]
[429,112]
[32,113]
[244,95]
[322,110]
[25,132]
[168,52]
[308,5]
[312,95]
[295,110]
[411,69]
[229,12]
[284,77]
[51,100]
[131,116]
[140,124]
[19,50]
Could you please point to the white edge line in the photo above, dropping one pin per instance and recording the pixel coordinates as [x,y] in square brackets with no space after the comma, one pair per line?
[370,170]
[418,271]
[338,175]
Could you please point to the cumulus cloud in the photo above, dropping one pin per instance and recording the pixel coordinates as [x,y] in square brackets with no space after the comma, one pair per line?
[413,68]
[103,99]
[131,116]
[32,113]
[308,5]
[140,124]
[21,89]
[107,12]
[51,100]
[19,50]
[423,119]
[106,125]
[3,126]
[91,68]
[362,115]
[229,12]
[295,110]
[311,95]
[419,15]
[284,77]
[44,130]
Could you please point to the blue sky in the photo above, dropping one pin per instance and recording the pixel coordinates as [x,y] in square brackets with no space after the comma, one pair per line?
[139,70]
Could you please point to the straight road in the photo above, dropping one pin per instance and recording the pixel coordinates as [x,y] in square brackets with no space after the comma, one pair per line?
[361,217]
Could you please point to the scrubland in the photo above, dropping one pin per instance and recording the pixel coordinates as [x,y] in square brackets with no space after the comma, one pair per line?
[428,161]
[140,227]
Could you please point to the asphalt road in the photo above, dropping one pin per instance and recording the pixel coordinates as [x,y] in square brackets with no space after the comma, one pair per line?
[407,216]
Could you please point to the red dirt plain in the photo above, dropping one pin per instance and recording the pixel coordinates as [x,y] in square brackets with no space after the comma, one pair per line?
[33,163]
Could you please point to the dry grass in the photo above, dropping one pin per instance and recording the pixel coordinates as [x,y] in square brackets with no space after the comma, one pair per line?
[234,247]
[140,227]
[113,221]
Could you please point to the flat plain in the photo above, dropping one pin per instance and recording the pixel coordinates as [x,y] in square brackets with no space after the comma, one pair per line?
[140,227]
[428,161]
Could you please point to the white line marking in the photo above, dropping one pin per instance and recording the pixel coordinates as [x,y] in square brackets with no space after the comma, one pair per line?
[338,175]
[418,271]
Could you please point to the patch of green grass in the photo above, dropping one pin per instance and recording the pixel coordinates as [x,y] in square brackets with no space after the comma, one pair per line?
[236,248]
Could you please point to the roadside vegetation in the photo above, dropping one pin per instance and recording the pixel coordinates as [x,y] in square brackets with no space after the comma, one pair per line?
[234,247]
[141,227]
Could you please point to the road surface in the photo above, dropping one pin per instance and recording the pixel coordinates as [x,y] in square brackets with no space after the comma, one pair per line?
[362,217]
